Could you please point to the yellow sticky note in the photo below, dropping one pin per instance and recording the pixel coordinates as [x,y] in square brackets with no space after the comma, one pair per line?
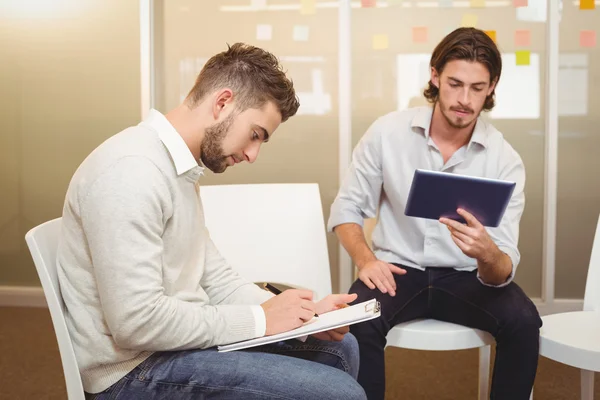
[419,34]
[523,57]
[477,3]
[469,20]
[522,38]
[308,7]
[587,38]
[491,34]
[587,4]
[380,42]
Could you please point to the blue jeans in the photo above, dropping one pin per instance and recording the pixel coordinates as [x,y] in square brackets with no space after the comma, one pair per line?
[453,296]
[314,369]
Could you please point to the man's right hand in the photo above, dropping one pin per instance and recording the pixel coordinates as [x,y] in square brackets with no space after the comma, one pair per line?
[379,274]
[288,310]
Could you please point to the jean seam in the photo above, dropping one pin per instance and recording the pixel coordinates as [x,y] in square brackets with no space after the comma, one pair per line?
[407,303]
[312,347]
[163,383]
[471,304]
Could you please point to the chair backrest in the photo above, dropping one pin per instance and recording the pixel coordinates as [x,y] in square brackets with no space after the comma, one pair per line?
[43,243]
[591,300]
[271,233]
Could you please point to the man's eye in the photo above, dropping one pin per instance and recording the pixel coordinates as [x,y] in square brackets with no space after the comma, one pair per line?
[453,85]
[254,135]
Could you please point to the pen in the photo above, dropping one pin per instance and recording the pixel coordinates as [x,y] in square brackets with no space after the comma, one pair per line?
[275,291]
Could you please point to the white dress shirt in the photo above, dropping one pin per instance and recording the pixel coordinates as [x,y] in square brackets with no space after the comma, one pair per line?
[379,180]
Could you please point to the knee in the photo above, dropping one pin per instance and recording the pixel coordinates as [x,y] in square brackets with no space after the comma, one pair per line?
[524,320]
[349,347]
[340,386]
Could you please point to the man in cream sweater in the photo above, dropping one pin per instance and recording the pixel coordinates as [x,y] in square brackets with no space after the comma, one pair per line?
[148,296]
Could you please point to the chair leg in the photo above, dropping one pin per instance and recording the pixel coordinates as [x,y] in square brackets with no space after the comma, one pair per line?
[587,384]
[484,372]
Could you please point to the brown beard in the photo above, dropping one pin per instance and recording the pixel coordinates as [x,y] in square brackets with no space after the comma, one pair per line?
[211,149]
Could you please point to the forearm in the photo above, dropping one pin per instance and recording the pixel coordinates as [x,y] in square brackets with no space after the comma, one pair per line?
[496,269]
[352,237]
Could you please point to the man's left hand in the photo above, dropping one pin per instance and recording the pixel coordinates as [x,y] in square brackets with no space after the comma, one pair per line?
[472,238]
[330,303]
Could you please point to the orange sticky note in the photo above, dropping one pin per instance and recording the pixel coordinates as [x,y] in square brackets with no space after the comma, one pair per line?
[491,34]
[308,7]
[469,20]
[522,38]
[380,42]
[523,57]
[520,3]
[587,4]
[587,38]
[368,3]
[477,3]
[419,34]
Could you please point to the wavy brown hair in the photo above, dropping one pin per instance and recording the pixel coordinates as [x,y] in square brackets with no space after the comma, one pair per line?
[253,74]
[468,44]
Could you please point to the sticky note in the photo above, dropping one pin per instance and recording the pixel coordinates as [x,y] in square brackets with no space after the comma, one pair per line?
[259,3]
[300,33]
[368,3]
[380,42]
[419,34]
[520,3]
[522,38]
[469,20]
[308,7]
[491,34]
[477,3]
[523,57]
[587,4]
[587,38]
[264,32]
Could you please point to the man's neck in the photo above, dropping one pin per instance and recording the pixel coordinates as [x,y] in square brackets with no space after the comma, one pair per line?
[444,134]
[186,123]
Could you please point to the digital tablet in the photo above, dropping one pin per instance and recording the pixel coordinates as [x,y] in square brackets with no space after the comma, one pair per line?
[435,194]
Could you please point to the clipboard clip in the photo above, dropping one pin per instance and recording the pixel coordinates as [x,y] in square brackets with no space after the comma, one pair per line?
[373,307]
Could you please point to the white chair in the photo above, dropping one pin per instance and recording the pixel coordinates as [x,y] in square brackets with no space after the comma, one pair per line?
[271,233]
[43,242]
[573,338]
[434,335]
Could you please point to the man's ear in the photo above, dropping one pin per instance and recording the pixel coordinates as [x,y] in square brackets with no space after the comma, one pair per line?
[435,78]
[223,99]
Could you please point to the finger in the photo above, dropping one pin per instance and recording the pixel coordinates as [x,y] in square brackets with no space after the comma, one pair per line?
[304,294]
[343,298]
[452,224]
[396,270]
[367,281]
[468,240]
[342,329]
[306,315]
[336,336]
[390,281]
[461,245]
[322,335]
[308,305]
[379,283]
[470,218]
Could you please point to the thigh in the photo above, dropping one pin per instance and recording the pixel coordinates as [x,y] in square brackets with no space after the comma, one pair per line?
[410,301]
[209,374]
[461,298]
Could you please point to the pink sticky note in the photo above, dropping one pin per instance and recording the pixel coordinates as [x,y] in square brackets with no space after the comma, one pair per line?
[419,34]
[368,3]
[587,38]
[520,3]
[522,38]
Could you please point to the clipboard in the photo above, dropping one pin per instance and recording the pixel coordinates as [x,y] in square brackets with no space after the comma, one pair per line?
[354,314]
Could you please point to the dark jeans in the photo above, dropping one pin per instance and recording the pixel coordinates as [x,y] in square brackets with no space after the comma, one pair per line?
[459,297]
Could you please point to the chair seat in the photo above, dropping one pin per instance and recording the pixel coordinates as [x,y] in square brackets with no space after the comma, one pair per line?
[572,338]
[431,334]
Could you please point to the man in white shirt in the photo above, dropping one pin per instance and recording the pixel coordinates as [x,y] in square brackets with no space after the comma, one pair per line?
[461,273]
[148,296]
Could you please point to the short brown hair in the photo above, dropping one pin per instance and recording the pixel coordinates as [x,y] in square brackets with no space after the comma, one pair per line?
[253,74]
[468,44]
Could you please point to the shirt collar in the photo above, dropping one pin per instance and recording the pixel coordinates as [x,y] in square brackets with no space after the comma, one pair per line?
[182,157]
[423,120]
